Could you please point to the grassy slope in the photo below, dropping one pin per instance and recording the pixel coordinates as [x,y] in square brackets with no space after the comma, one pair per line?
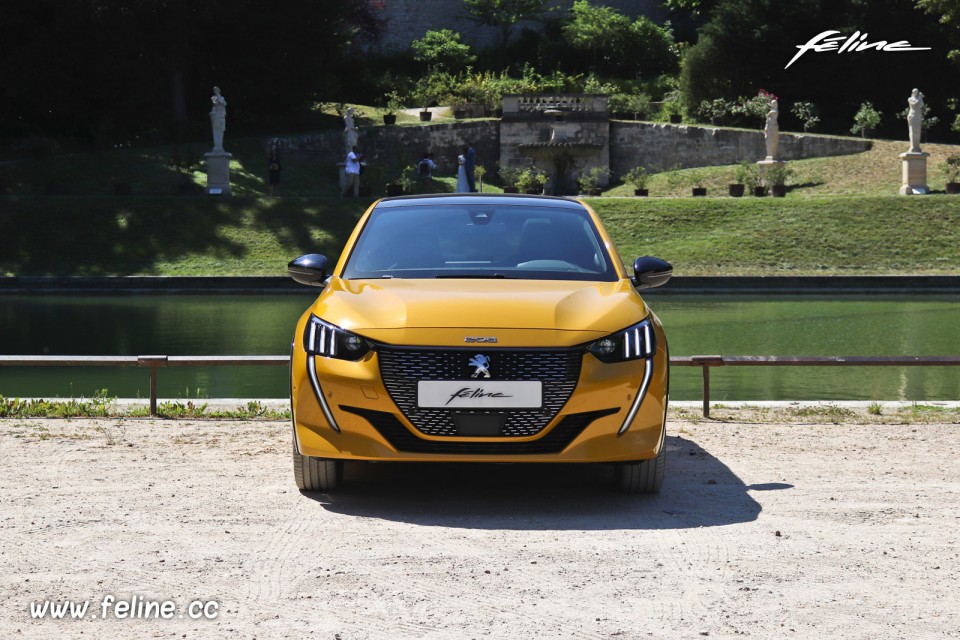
[866,230]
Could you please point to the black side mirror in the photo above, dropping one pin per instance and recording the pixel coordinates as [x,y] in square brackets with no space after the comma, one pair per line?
[310,269]
[650,272]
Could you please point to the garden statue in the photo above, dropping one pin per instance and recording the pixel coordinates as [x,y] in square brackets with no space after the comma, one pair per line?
[915,119]
[771,131]
[218,118]
[349,130]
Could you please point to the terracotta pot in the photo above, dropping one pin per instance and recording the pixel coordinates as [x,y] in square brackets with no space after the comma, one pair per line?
[425,116]
[699,192]
[778,190]
[389,118]
[736,190]
[759,191]
[953,187]
[643,193]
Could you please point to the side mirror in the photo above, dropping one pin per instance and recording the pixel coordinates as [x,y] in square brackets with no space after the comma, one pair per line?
[650,272]
[310,269]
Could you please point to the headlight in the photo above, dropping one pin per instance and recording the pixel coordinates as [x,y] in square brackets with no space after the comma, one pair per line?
[633,343]
[330,341]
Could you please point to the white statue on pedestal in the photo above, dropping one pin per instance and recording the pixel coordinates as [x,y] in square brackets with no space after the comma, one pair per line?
[218,118]
[915,119]
[349,130]
[771,131]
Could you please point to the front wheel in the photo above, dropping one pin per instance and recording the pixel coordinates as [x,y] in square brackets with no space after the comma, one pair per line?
[316,474]
[645,476]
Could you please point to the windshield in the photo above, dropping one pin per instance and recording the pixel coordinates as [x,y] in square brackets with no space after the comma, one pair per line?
[480,241]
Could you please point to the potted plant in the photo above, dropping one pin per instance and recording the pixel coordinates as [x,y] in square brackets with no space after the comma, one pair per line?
[741,175]
[509,178]
[699,190]
[405,182]
[777,178]
[637,177]
[866,120]
[591,182]
[951,172]
[672,107]
[531,180]
[478,172]
[392,105]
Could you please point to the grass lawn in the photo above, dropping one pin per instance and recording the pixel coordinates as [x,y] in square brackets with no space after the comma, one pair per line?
[841,216]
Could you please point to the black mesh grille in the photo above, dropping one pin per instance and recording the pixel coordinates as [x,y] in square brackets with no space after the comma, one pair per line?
[401,439]
[401,369]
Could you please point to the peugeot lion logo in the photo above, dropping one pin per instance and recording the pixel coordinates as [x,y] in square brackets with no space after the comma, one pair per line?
[482,363]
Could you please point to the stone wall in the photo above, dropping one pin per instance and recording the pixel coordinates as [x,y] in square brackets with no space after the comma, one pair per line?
[405,145]
[660,147]
[408,20]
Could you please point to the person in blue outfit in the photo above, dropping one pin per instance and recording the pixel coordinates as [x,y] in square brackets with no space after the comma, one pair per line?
[469,164]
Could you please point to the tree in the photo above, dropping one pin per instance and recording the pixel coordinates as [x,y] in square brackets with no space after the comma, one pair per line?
[949,14]
[609,42]
[503,14]
[442,50]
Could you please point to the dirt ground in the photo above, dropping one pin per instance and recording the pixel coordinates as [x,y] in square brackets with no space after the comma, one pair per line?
[764,530]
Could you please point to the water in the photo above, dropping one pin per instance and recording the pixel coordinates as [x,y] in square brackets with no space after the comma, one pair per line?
[695,324]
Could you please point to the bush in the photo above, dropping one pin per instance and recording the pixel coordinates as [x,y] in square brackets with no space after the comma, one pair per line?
[866,119]
[637,177]
[951,168]
[715,111]
[442,50]
[591,180]
[807,113]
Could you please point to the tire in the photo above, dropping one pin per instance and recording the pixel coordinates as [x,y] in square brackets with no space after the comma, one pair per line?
[316,474]
[645,476]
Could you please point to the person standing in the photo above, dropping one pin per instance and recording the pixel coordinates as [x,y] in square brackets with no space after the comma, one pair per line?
[274,168]
[469,164]
[351,171]
[425,172]
[463,186]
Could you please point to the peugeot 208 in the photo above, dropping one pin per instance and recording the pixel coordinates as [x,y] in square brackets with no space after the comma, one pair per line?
[479,328]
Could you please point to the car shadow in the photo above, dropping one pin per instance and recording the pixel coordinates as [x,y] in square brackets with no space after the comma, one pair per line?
[699,491]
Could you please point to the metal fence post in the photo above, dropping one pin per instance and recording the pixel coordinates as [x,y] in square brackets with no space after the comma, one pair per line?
[153,362]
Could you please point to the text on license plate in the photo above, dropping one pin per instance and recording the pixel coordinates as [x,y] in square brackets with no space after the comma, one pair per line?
[468,394]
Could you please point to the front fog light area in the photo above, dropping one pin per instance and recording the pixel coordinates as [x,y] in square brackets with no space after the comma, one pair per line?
[633,343]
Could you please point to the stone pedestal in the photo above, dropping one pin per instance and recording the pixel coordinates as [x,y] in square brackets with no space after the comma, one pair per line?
[765,165]
[218,172]
[914,173]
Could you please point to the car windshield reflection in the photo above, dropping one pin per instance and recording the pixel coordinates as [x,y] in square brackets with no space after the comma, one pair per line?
[462,241]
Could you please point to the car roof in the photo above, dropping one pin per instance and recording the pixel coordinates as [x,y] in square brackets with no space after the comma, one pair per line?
[475,198]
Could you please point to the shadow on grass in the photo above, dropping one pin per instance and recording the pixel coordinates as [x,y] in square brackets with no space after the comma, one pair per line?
[699,491]
[90,236]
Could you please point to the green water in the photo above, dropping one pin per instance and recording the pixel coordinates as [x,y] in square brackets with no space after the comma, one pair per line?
[695,324]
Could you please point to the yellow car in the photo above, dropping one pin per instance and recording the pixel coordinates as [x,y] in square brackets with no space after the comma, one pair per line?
[479,328]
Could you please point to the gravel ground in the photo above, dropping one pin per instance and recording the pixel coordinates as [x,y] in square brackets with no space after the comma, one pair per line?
[763,529]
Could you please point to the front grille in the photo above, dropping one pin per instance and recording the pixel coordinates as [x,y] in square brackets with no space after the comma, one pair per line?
[400,438]
[401,369]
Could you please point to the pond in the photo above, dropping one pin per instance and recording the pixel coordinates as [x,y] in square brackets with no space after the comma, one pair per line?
[696,324]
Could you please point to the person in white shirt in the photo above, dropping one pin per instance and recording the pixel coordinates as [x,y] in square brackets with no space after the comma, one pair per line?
[352,173]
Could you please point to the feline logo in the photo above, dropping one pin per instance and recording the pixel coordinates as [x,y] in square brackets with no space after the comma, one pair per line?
[828,41]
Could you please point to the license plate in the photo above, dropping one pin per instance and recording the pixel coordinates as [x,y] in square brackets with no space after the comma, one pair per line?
[470,394]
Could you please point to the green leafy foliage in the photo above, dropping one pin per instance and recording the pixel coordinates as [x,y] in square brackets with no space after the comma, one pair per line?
[442,50]
[866,119]
[807,113]
[504,14]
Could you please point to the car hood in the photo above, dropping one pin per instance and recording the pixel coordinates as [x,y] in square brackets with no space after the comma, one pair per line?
[364,305]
